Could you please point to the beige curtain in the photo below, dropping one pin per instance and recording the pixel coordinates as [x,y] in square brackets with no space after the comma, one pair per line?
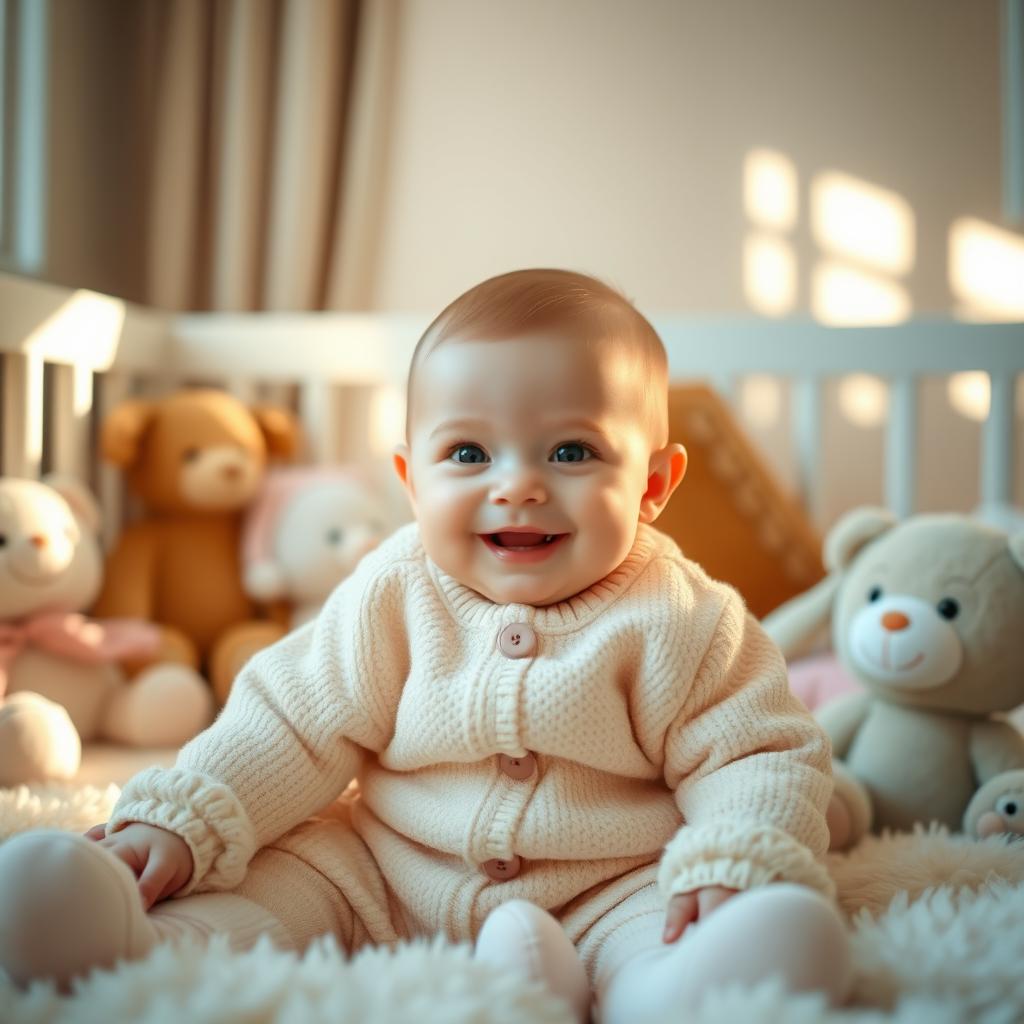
[219,154]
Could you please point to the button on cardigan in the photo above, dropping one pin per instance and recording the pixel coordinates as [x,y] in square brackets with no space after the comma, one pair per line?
[655,710]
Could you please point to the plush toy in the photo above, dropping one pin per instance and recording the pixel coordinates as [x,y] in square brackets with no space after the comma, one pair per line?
[927,616]
[196,459]
[304,533]
[60,677]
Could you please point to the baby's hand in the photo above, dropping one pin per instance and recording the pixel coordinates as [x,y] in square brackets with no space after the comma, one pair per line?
[688,907]
[161,861]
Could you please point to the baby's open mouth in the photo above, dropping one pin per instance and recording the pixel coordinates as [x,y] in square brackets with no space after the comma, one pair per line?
[521,541]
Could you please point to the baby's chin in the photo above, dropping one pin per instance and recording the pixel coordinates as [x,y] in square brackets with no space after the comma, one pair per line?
[537,593]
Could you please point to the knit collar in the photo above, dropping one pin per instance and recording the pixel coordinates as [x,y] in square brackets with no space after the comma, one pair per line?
[470,607]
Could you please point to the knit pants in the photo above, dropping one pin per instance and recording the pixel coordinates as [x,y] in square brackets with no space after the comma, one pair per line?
[784,929]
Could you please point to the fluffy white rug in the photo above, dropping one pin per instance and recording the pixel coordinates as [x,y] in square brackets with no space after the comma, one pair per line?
[937,924]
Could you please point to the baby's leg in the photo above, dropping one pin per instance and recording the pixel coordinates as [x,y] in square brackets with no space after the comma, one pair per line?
[68,905]
[520,936]
[781,930]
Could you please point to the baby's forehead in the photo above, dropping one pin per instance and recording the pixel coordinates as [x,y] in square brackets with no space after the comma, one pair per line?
[564,376]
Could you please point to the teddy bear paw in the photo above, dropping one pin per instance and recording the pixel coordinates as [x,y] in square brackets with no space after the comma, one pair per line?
[163,706]
[38,740]
[849,811]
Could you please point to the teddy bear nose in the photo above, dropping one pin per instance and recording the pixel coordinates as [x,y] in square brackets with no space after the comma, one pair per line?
[37,540]
[895,621]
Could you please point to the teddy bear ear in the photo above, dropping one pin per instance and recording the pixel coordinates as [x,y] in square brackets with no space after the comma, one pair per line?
[280,429]
[852,532]
[1016,544]
[79,497]
[122,430]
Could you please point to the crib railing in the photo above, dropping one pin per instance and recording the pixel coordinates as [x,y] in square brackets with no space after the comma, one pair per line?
[67,357]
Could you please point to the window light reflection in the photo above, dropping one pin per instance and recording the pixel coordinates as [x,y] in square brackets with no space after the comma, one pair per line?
[770,189]
[842,296]
[769,275]
[860,221]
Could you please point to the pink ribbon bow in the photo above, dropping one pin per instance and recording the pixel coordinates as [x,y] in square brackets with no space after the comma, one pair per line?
[89,641]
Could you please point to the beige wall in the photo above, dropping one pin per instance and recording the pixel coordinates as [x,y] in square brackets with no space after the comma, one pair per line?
[612,137]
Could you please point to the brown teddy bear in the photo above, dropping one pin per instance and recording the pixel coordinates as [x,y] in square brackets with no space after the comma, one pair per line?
[196,458]
[926,614]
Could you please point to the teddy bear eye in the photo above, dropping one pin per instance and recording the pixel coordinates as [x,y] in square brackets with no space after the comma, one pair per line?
[190,454]
[948,608]
[3,540]
[874,593]
[1007,806]
[334,535]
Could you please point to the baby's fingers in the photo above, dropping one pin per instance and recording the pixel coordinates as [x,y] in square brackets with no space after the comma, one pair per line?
[97,832]
[682,911]
[154,879]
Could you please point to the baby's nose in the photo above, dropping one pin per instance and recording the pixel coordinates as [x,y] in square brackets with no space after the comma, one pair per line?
[519,487]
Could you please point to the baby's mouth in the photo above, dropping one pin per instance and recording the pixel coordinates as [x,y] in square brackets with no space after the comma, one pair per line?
[516,541]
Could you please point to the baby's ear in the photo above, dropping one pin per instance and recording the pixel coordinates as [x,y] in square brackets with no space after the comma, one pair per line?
[664,474]
[400,460]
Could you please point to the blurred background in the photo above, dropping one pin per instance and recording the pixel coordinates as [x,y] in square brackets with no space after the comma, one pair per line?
[854,162]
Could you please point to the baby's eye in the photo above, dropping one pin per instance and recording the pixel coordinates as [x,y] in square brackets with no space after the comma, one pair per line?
[467,454]
[334,535]
[572,451]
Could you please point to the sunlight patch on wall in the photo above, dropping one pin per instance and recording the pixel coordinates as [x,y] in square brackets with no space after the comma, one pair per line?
[860,221]
[864,399]
[842,296]
[760,399]
[986,270]
[770,189]
[769,274]
[970,394]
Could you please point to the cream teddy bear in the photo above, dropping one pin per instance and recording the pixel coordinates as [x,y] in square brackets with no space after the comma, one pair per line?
[927,615]
[61,680]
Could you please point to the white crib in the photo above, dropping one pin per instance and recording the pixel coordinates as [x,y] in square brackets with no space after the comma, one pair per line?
[68,356]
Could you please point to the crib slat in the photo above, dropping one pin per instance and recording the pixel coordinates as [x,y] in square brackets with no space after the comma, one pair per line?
[807,443]
[319,405]
[69,421]
[901,446]
[114,388]
[996,480]
[22,411]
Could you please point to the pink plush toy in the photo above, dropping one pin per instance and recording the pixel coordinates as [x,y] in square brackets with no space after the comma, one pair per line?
[306,531]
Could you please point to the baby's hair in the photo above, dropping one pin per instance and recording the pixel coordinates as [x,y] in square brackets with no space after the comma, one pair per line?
[525,302]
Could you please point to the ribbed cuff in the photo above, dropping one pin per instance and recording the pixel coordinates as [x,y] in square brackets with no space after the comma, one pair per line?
[737,857]
[205,813]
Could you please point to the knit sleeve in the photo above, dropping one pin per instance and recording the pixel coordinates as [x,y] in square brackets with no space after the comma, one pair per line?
[750,769]
[291,737]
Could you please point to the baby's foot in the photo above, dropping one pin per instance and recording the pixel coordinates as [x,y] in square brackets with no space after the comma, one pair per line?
[520,936]
[67,905]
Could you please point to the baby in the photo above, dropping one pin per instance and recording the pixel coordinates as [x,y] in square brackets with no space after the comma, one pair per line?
[571,745]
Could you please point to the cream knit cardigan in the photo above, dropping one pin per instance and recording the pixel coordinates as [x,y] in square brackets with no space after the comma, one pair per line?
[657,710]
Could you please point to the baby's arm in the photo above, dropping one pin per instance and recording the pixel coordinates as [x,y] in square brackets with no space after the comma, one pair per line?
[289,740]
[750,769]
